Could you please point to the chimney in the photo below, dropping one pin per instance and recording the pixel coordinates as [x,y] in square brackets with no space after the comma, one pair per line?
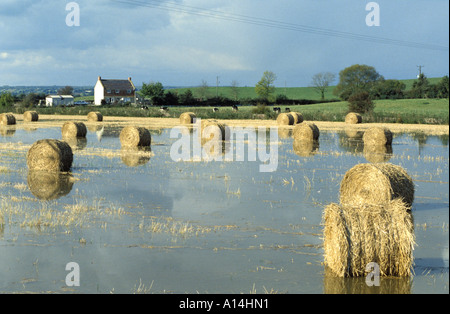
[99,78]
[129,79]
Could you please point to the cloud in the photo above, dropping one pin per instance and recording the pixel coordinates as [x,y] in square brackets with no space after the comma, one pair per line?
[234,39]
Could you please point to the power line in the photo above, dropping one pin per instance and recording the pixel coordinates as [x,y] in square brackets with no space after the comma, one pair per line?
[219,15]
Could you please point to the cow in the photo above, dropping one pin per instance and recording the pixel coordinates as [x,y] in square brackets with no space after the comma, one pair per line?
[277,109]
[144,107]
[287,109]
[234,108]
[164,109]
[215,109]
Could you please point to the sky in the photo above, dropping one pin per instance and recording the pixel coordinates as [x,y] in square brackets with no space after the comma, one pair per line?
[185,42]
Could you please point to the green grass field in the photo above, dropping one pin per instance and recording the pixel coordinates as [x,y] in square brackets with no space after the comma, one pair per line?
[425,111]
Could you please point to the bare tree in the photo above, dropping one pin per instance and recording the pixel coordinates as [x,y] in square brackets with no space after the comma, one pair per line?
[203,90]
[235,89]
[321,81]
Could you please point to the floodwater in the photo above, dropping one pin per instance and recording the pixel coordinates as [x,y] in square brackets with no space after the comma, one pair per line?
[144,223]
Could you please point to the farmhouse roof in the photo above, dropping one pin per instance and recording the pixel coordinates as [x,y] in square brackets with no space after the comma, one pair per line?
[117,84]
[59,96]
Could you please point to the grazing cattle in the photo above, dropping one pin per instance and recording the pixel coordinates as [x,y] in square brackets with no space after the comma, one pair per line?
[277,109]
[144,107]
[287,109]
[215,109]
[234,108]
[164,109]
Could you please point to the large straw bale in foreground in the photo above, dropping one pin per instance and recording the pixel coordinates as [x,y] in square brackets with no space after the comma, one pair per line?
[187,117]
[357,236]
[285,119]
[377,136]
[73,129]
[30,116]
[94,116]
[353,118]
[50,155]
[7,119]
[306,131]
[131,136]
[376,184]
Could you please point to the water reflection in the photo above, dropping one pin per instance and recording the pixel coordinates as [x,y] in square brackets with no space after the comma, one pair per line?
[377,153]
[49,185]
[284,132]
[7,131]
[305,148]
[76,143]
[358,285]
[135,156]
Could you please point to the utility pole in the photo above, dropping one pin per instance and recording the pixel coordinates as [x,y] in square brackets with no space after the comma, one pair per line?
[420,69]
[217,86]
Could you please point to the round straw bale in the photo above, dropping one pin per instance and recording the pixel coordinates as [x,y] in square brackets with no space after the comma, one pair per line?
[73,129]
[187,117]
[353,118]
[212,129]
[49,185]
[377,153]
[357,236]
[94,116]
[30,116]
[306,131]
[7,119]
[377,136]
[131,136]
[305,148]
[285,119]
[50,155]
[213,149]
[376,184]
[298,117]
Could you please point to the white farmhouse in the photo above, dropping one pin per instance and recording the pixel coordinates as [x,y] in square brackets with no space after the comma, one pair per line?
[58,100]
[111,91]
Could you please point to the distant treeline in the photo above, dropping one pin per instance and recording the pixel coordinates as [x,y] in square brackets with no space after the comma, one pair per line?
[188,100]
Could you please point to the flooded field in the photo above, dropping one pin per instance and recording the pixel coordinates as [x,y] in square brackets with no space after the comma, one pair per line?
[144,223]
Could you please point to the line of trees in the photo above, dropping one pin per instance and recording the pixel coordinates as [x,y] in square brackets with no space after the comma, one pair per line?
[361,84]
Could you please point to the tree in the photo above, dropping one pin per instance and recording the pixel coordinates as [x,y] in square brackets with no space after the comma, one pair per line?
[442,87]
[171,99]
[31,100]
[356,78]
[420,87]
[360,102]
[154,91]
[187,99]
[6,100]
[321,81]
[388,89]
[67,90]
[203,90]
[235,89]
[265,87]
